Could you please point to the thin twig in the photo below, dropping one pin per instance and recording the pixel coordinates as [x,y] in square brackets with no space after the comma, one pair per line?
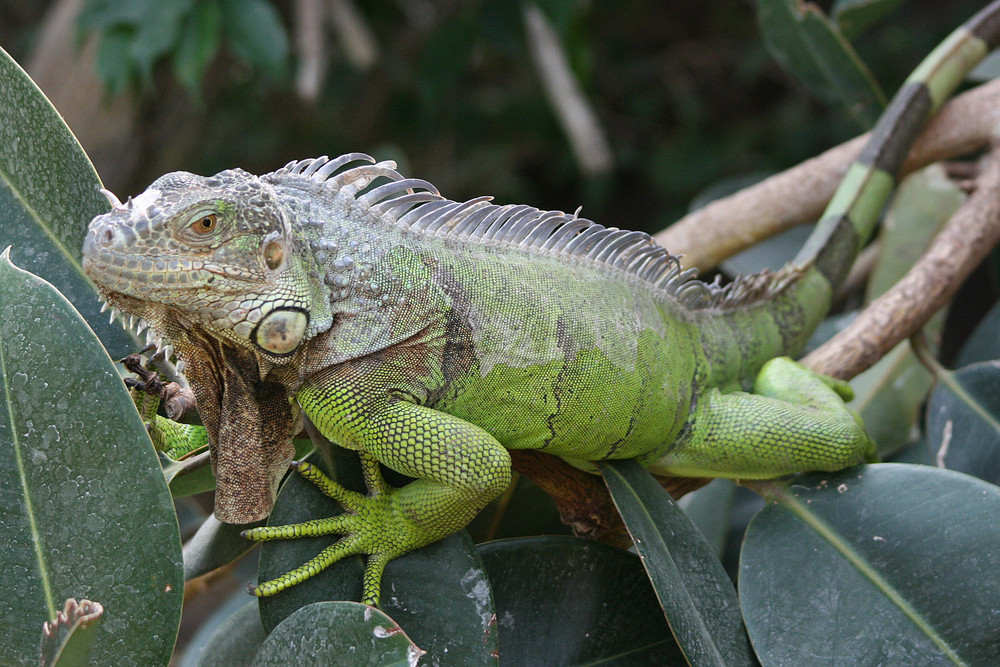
[310,43]
[578,120]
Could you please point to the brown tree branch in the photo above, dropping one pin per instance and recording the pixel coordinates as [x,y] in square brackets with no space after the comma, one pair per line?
[895,316]
[798,195]
[583,500]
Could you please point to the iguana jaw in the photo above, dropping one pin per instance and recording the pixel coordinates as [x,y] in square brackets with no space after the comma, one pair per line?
[184,251]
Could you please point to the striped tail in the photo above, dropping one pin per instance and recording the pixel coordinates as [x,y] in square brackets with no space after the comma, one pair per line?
[851,215]
[783,309]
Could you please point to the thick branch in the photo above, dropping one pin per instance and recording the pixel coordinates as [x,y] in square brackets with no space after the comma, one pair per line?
[798,195]
[582,499]
[895,316]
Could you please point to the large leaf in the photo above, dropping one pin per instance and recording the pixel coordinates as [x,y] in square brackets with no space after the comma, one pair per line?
[856,16]
[811,47]
[48,194]
[235,640]
[439,593]
[84,508]
[886,564]
[255,33]
[696,594]
[963,421]
[566,600]
[213,545]
[332,633]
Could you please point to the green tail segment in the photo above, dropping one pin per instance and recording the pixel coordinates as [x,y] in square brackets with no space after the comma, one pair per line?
[799,295]
[432,336]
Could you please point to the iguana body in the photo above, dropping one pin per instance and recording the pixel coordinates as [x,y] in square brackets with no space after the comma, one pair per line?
[432,336]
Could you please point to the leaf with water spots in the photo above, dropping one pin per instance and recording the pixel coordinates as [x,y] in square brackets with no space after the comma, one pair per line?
[84,508]
[890,564]
[49,192]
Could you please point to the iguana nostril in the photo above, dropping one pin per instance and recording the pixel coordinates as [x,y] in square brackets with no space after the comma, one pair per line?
[108,236]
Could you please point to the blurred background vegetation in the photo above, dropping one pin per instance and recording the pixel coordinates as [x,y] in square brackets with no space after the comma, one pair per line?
[680,95]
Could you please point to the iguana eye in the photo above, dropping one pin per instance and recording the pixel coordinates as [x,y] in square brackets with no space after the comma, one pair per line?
[205,224]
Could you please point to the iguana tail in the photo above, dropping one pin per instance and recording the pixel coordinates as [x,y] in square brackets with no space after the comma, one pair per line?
[800,294]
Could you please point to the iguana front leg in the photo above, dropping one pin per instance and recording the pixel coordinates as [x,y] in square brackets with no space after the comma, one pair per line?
[795,421]
[458,467]
[172,438]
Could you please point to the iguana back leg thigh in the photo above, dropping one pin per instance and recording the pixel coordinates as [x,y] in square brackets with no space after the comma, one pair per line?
[795,420]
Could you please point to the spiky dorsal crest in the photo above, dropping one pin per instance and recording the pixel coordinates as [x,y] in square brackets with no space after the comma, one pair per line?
[417,206]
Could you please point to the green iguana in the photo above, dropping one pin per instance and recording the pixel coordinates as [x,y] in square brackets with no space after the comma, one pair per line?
[432,336]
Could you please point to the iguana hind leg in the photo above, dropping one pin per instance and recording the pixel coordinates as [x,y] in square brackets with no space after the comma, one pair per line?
[795,421]
[458,468]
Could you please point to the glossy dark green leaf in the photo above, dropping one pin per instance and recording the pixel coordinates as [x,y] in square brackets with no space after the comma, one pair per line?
[213,545]
[856,16]
[331,633]
[963,421]
[48,195]
[694,590]
[438,593]
[810,46]
[236,640]
[710,508]
[984,343]
[84,508]
[886,564]
[568,601]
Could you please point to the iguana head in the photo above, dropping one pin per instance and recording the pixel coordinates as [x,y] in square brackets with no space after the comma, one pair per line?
[216,252]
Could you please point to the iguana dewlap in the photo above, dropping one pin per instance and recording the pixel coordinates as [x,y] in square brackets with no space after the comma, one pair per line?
[432,336]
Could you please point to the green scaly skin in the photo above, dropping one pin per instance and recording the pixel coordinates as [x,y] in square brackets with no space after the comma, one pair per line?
[433,337]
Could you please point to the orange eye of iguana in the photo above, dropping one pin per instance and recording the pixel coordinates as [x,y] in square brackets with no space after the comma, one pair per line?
[205,224]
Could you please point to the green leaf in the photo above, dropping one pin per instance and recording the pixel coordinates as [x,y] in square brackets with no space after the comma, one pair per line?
[710,508]
[886,564]
[696,594]
[213,545]
[49,192]
[236,640]
[856,16]
[566,600]
[84,508]
[198,44]
[963,421]
[255,34]
[809,46]
[326,633]
[158,32]
[68,640]
[439,592]
[114,62]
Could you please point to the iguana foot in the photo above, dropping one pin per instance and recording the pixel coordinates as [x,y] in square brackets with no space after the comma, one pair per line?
[373,525]
[148,392]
